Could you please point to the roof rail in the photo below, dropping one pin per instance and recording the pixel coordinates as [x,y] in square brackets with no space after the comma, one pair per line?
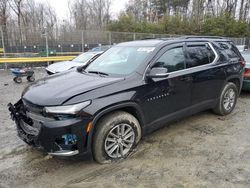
[167,38]
[147,38]
[203,37]
[151,38]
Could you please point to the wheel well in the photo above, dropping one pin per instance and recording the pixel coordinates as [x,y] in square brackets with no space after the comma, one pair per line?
[236,81]
[133,112]
[129,109]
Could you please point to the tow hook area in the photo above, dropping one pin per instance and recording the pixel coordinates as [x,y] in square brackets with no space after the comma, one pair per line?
[66,145]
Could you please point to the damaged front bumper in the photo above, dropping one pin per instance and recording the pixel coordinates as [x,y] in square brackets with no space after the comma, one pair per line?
[67,137]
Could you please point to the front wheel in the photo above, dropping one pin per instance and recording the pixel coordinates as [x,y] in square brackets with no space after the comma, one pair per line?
[228,99]
[115,137]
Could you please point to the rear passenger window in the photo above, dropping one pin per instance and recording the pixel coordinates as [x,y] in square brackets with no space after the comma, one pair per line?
[172,59]
[199,55]
[228,49]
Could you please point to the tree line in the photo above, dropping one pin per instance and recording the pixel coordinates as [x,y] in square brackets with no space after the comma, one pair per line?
[186,17]
[27,21]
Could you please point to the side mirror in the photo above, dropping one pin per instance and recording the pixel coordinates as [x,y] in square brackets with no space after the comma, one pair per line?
[81,68]
[158,72]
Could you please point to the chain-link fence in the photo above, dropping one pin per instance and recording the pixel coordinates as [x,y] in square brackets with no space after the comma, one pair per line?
[40,42]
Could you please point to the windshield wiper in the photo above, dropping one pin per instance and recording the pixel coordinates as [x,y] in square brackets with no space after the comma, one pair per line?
[98,72]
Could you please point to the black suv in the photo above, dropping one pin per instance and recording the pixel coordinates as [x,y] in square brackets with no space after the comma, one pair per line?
[130,90]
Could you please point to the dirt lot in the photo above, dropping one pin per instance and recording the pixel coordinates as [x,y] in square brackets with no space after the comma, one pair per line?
[204,150]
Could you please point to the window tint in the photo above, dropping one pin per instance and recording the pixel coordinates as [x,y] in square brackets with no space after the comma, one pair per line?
[199,55]
[228,49]
[173,60]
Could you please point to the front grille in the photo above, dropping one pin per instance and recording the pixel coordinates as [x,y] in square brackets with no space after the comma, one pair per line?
[35,112]
[32,107]
[30,125]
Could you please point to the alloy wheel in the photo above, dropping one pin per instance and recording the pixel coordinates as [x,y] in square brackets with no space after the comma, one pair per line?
[229,99]
[119,141]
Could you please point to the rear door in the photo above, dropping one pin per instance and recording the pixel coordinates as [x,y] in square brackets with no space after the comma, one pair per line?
[207,75]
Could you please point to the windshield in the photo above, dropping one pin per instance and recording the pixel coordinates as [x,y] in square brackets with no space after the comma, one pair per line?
[246,57]
[100,48]
[84,58]
[120,60]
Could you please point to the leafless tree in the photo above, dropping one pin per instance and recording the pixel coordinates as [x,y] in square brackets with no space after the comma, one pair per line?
[16,6]
[246,14]
[241,11]
[79,11]
[24,21]
[4,9]
[90,14]
[3,12]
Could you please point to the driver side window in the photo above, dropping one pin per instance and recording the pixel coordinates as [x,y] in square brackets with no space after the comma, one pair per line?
[172,59]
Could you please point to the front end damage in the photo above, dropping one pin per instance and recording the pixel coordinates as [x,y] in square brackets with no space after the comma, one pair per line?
[58,135]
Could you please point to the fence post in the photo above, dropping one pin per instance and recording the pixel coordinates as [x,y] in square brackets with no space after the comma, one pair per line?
[47,46]
[4,53]
[82,40]
[110,38]
[134,36]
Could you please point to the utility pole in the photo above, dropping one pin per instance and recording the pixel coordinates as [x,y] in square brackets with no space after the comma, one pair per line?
[4,55]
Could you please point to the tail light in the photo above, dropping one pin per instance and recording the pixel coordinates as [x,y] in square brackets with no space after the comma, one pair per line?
[247,73]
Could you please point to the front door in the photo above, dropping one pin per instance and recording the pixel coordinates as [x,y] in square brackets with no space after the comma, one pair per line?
[164,97]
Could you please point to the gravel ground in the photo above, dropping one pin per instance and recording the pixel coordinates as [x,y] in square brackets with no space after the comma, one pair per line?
[204,150]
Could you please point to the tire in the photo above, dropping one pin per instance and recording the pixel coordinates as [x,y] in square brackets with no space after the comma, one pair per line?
[228,99]
[104,138]
[31,78]
[17,79]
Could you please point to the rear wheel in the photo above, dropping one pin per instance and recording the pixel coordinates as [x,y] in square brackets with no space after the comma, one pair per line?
[228,99]
[31,78]
[116,136]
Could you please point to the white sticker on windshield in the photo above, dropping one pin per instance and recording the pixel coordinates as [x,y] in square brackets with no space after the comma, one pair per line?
[146,49]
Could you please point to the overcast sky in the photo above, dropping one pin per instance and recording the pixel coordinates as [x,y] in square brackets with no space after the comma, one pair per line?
[61,7]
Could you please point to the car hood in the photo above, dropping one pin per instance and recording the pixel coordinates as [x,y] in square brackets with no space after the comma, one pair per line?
[57,89]
[63,66]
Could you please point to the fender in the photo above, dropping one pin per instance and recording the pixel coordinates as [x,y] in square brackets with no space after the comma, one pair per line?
[110,109]
[240,79]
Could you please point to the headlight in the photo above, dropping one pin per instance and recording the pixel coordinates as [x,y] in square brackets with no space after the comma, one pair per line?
[69,109]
